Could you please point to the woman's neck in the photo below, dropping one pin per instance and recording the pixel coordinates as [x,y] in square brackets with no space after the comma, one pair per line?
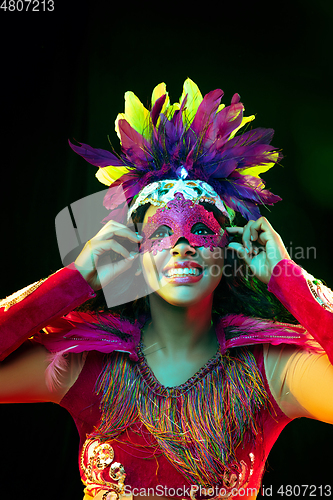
[178,330]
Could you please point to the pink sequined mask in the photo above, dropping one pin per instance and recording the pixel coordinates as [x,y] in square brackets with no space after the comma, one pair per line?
[181,215]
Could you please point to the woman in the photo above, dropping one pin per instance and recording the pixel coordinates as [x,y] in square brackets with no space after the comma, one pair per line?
[199,377]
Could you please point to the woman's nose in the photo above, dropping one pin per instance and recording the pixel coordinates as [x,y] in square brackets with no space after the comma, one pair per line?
[182,248]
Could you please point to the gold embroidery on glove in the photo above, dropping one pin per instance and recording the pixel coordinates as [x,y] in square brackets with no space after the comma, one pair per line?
[20,295]
[321,293]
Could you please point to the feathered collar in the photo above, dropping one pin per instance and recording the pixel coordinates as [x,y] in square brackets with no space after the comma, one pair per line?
[79,332]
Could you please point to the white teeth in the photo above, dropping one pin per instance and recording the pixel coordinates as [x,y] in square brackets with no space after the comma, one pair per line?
[182,272]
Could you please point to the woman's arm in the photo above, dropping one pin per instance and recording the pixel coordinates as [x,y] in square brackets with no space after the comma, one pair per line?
[26,312]
[23,375]
[300,381]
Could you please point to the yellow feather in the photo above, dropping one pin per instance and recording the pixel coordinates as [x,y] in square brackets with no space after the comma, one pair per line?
[194,99]
[259,169]
[108,175]
[158,91]
[172,108]
[136,115]
[120,116]
[246,119]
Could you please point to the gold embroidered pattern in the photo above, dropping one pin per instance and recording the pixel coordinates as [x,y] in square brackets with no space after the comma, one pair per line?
[20,295]
[95,458]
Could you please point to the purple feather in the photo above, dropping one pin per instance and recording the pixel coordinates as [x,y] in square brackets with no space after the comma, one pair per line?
[227,120]
[245,192]
[156,110]
[133,144]
[224,123]
[98,157]
[257,135]
[220,169]
[235,99]
[247,209]
[122,189]
[189,160]
[238,157]
[206,111]
[172,137]
[256,185]
[118,214]
[177,118]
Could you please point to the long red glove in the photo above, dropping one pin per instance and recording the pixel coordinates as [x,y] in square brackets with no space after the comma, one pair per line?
[308,300]
[29,310]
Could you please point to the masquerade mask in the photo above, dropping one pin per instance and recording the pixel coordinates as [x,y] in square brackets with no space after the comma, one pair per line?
[186,219]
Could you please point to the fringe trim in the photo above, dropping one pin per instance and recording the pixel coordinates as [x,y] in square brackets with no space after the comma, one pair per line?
[198,426]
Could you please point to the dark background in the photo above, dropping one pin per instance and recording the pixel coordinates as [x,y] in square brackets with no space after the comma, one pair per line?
[63,75]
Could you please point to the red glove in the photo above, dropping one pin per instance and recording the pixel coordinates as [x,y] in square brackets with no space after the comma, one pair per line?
[308,300]
[26,312]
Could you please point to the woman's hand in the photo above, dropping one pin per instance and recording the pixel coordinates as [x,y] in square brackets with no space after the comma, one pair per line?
[94,262]
[262,247]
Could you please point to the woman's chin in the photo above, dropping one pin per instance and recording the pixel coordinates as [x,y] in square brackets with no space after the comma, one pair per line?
[182,295]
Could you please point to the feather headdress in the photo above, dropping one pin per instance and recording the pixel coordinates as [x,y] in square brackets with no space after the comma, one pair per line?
[197,136]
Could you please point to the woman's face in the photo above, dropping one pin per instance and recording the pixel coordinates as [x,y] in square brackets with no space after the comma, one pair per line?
[183,274]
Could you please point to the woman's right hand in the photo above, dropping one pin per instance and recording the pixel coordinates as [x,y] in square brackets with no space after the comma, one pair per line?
[100,245]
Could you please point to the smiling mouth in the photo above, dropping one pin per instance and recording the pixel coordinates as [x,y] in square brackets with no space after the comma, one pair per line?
[182,272]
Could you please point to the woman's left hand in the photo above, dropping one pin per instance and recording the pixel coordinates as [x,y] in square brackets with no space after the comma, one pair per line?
[262,247]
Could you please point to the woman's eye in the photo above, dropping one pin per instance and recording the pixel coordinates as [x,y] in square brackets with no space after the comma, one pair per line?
[201,229]
[161,232]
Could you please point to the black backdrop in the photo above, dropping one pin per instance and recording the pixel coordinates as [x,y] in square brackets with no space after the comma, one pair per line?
[63,75]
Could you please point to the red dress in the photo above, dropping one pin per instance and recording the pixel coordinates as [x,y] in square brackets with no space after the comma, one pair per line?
[136,450]
[135,458]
